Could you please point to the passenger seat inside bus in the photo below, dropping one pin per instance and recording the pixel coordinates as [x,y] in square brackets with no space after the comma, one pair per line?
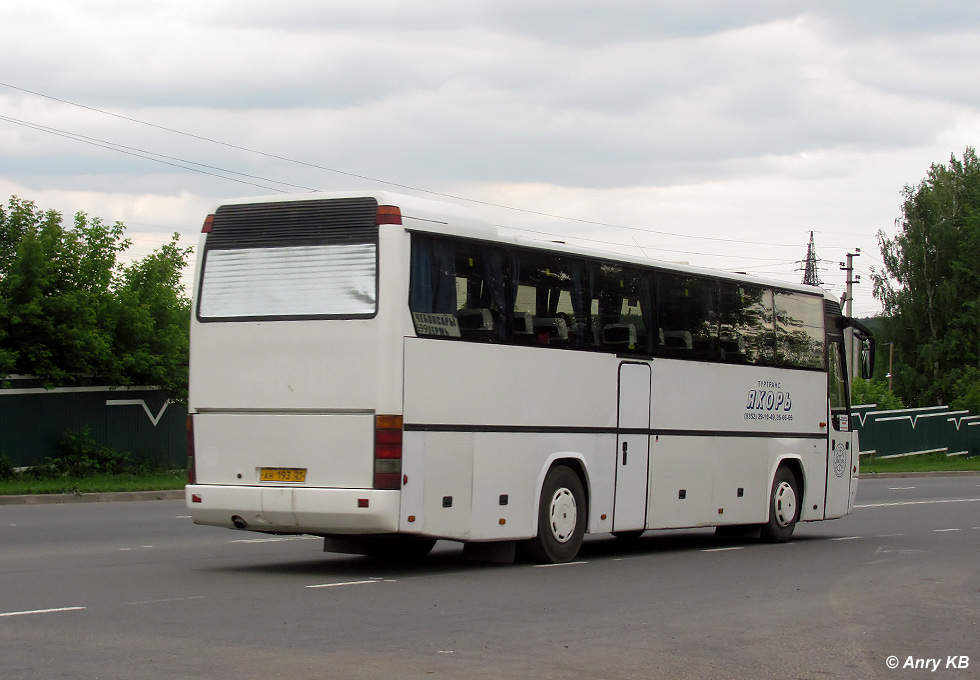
[475,323]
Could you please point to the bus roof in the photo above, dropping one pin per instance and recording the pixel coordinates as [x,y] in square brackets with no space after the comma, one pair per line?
[451,219]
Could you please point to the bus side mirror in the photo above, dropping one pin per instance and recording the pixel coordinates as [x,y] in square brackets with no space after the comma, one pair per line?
[867,358]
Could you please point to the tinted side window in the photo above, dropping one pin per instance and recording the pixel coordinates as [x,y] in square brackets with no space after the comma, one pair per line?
[458,290]
[622,309]
[687,316]
[799,330]
[549,293]
[747,331]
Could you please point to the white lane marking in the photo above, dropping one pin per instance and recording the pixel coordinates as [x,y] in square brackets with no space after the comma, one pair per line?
[845,538]
[169,599]
[900,488]
[183,516]
[43,611]
[941,530]
[734,547]
[889,505]
[276,539]
[560,564]
[346,583]
[888,535]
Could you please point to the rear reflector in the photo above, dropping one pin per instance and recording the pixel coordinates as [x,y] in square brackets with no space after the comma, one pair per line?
[208,224]
[389,214]
[387,451]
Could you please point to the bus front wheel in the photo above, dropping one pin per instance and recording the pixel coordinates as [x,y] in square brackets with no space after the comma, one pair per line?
[784,507]
[561,518]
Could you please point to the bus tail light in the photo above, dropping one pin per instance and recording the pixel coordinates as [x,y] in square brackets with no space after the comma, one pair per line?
[389,214]
[208,224]
[191,472]
[387,452]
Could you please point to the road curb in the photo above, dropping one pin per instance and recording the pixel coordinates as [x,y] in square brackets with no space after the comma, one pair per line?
[48,498]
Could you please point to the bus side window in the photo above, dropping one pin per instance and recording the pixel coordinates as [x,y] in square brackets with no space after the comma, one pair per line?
[688,317]
[549,300]
[747,332]
[458,290]
[799,330]
[622,310]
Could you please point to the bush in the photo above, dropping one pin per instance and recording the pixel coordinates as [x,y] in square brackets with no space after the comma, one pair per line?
[6,468]
[79,455]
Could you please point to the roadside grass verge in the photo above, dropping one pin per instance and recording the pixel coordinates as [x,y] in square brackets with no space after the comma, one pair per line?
[930,462]
[151,481]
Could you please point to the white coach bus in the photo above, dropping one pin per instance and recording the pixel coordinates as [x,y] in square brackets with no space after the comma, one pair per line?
[385,371]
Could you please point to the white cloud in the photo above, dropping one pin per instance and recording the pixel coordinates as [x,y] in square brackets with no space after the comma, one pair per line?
[755,121]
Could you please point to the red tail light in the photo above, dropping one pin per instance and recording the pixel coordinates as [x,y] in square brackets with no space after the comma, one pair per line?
[387,452]
[208,224]
[389,214]
[191,472]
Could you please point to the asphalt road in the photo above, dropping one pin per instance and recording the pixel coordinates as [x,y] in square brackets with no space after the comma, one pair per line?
[134,590]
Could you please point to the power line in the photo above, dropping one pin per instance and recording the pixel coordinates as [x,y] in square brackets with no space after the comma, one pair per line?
[151,155]
[386,182]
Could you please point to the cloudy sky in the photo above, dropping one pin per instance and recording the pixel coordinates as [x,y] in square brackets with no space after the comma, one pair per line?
[715,132]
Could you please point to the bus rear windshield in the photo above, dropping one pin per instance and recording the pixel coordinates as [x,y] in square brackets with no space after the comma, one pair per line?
[291,260]
[297,281]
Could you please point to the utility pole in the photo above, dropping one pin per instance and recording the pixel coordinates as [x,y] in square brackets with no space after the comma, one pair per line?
[891,359]
[848,306]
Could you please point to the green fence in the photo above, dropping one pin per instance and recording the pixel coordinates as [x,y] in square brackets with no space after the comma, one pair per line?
[138,420]
[911,431]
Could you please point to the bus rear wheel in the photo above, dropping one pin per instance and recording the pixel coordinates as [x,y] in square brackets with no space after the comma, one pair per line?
[784,507]
[561,518]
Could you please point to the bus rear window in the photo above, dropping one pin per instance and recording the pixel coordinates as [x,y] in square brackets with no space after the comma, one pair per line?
[285,260]
[337,280]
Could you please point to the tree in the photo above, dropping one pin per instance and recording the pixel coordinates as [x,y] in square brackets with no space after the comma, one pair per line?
[70,311]
[874,392]
[930,284]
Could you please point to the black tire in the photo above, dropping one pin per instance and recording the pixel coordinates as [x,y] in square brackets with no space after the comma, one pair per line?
[401,549]
[784,507]
[562,517]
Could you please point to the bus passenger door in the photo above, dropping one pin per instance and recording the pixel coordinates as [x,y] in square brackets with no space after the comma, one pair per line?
[632,447]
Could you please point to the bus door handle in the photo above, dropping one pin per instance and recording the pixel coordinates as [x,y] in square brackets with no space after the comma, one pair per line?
[624,453]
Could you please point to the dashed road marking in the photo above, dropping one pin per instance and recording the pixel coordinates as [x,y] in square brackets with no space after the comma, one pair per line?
[734,547]
[351,583]
[42,611]
[169,599]
[275,539]
[896,503]
[845,538]
[943,530]
[560,564]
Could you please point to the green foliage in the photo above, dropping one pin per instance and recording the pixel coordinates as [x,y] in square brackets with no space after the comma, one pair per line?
[874,392]
[930,285]
[6,468]
[70,310]
[79,455]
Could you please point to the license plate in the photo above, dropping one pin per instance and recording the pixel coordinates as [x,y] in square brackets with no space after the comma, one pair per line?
[282,474]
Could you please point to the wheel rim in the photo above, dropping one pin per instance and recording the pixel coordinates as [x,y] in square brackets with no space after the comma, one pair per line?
[564,515]
[784,505]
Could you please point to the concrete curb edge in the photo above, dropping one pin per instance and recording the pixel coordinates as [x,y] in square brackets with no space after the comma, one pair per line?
[48,498]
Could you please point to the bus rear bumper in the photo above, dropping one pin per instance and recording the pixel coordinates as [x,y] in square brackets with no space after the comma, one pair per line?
[296,510]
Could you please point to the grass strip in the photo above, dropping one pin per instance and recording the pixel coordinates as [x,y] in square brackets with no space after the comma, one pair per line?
[155,481]
[930,462]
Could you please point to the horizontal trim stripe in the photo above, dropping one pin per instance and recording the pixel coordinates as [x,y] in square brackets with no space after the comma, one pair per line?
[545,429]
